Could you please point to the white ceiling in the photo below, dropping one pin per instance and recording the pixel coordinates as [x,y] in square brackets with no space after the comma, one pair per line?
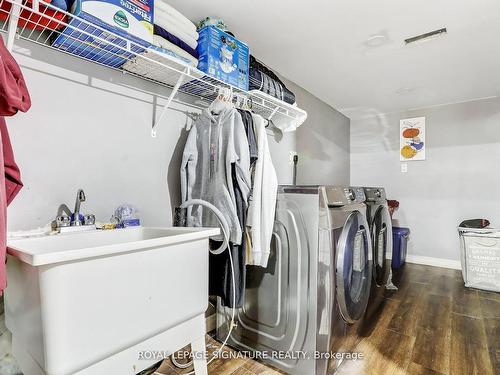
[322,46]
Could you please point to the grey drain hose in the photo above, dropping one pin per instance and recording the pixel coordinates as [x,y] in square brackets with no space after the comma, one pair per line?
[220,250]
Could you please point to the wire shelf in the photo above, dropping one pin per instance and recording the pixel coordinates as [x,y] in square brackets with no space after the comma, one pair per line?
[47,25]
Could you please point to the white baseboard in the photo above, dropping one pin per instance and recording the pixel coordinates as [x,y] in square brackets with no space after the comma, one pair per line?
[435,262]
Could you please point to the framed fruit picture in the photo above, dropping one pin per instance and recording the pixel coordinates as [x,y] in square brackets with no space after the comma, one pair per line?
[412,139]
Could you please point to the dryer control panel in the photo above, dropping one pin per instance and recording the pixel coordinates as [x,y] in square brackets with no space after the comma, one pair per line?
[343,196]
[375,194]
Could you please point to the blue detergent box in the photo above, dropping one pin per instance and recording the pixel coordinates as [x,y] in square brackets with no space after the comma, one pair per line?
[132,19]
[224,57]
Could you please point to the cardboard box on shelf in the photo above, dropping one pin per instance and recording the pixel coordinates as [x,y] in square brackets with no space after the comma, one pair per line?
[224,57]
[132,19]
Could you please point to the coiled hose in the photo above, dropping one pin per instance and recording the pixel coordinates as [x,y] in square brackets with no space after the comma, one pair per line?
[225,245]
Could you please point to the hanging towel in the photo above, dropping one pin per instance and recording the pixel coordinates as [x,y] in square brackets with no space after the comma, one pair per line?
[14,97]
[172,28]
[262,202]
[162,6]
[13,183]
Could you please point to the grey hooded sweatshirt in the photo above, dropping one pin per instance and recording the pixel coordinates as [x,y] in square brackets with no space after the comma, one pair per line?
[214,144]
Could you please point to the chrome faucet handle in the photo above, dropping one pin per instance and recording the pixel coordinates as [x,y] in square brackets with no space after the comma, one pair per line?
[63,221]
[89,219]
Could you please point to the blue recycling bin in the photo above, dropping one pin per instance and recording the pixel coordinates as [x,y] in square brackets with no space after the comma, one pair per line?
[400,238]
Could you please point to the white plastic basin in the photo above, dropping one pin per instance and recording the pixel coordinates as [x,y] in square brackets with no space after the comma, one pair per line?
[76,302]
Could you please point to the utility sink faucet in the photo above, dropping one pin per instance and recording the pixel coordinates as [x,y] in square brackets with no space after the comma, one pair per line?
[68,221]
[80,197]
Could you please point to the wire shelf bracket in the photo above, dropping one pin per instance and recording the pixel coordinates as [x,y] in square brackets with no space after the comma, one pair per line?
[273,113]
[171,97]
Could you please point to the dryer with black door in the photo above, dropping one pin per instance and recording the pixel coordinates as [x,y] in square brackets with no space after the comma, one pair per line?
[352,256]
[381,233]
[311,298]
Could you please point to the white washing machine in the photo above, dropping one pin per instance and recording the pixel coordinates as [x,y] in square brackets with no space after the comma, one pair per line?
[311,298]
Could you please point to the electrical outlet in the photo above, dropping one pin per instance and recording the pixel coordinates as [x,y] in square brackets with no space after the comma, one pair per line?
[291,154]
[404,167]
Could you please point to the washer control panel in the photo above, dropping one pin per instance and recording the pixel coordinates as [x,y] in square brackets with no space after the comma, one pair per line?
[356,194]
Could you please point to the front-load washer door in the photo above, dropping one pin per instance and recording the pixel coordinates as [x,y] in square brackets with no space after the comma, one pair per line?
[382,245]
[353,267]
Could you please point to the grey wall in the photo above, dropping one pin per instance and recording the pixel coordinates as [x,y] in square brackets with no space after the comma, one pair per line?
[322,143]
[89,127]
[459,179]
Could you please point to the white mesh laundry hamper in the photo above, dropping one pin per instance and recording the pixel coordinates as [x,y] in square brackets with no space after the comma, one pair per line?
[480,257]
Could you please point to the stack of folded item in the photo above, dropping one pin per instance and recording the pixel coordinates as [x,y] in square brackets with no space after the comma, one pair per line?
[264,79]
[174,36]
[174,32]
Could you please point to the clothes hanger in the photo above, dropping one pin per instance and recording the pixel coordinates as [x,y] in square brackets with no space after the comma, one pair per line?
[221,102]
[227,95]
[230,96]
[247,104]
[276,132]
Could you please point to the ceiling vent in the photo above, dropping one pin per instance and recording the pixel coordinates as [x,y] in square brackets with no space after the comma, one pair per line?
[426,36]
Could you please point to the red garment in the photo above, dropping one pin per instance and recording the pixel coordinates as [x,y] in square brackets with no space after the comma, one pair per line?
[13,181]
[14,94]
[14,97]
[3,226]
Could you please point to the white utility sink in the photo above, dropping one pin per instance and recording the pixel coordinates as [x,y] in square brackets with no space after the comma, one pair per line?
[91,302]
[38,251]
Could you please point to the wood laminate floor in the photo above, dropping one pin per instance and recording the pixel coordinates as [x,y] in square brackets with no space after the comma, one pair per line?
[432,325]
[238,366]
